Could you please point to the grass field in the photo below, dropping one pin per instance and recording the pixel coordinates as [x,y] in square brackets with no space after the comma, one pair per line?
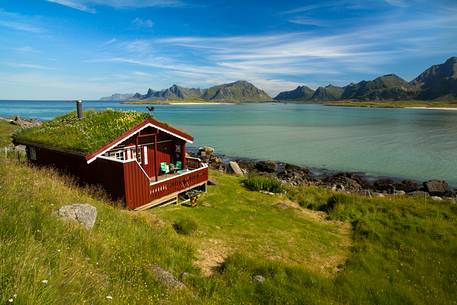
[393,250]
[395,104]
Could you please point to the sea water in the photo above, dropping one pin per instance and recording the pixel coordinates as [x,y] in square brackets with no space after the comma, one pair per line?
[406,143]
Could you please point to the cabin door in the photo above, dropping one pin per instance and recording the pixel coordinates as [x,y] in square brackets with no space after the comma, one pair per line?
[147,158]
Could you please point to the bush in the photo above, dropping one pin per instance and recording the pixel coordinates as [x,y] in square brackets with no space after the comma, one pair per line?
[185,226]
[263,183]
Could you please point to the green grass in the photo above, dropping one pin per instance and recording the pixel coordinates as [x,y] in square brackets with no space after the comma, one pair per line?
[263,183]
[392,250]
[395,104]
[96,129]
[6,129]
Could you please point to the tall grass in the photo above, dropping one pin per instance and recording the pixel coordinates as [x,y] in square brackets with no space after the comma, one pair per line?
[256,182]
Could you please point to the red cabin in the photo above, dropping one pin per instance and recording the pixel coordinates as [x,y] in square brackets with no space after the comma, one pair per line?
[144,166]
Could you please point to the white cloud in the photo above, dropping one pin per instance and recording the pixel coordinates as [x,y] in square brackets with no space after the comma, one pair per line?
[19,22]
[75,4]
[87,5]
[143,23]
[399,3]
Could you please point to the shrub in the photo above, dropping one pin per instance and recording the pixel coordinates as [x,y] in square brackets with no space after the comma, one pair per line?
[263,183]
[185,226]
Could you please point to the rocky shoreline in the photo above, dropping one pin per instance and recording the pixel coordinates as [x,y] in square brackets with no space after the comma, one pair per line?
[352,182]
[338,181]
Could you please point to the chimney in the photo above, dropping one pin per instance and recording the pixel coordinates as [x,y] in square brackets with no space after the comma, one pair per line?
[79,109]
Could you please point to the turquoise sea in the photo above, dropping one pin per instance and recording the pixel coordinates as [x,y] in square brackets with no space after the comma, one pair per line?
[405,143]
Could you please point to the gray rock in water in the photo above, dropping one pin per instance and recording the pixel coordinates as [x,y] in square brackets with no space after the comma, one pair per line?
[166,277]
[267,166]
[82,213]
[259,279]
[436,187]
[236,168]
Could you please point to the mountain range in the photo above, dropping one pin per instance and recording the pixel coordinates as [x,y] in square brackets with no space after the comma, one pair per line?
[437,82]
[239,91]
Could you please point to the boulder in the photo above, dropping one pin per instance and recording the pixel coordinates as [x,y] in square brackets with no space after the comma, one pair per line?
[236,168]
[84,214]
[436,198]
[18,121]
[258,279]
[166,278]
[408,186]
[266,166]
[384,185]
[346,181]
[205,151]
[437,188]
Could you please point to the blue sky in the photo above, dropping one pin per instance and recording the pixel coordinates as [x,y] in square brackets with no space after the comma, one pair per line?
[69,49]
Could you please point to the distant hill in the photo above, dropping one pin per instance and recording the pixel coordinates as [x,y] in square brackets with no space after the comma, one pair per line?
[437,82]
[239,91]
[387,87]
[301,93]
[328,93]
[118,97]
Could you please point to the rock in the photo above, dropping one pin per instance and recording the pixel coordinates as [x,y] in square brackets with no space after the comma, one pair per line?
[258,279]
[408,186]
[212,181]
[82,213]
[437,188]
[205,151]
[436,198]
[399,193]
[266,192]
[419,194]
[347,181]
[166,277]
[379,195]
[266,166]
[236,168]
[18,121]
[384,184]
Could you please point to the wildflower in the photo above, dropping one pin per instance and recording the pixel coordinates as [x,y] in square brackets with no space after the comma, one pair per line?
[10,300]
[44,281]
[109,297]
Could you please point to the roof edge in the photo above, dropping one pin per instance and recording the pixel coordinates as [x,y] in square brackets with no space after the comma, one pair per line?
[90,157]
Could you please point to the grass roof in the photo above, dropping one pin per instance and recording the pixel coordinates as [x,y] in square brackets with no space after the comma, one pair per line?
[96,129]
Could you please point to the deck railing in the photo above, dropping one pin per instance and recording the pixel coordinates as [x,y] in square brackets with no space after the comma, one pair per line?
[179,183]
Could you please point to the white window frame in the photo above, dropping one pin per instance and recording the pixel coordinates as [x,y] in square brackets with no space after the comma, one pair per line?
[145,155]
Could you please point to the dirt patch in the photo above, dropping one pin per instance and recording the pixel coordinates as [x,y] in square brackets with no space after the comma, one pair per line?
[211,255]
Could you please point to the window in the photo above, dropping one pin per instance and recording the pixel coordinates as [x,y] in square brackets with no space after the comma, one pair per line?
[118,154]
[145,155]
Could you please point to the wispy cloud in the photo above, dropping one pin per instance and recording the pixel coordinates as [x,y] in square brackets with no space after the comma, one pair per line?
[143,23]
[276,61]
[19,22]
[75,4]
[88,5]
[25,49]
[399,3]
[26,66]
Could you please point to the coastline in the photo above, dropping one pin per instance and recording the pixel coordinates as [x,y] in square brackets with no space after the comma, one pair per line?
[434,108]
[349,181]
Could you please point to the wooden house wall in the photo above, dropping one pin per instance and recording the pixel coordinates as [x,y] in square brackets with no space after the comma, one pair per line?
[108,174]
